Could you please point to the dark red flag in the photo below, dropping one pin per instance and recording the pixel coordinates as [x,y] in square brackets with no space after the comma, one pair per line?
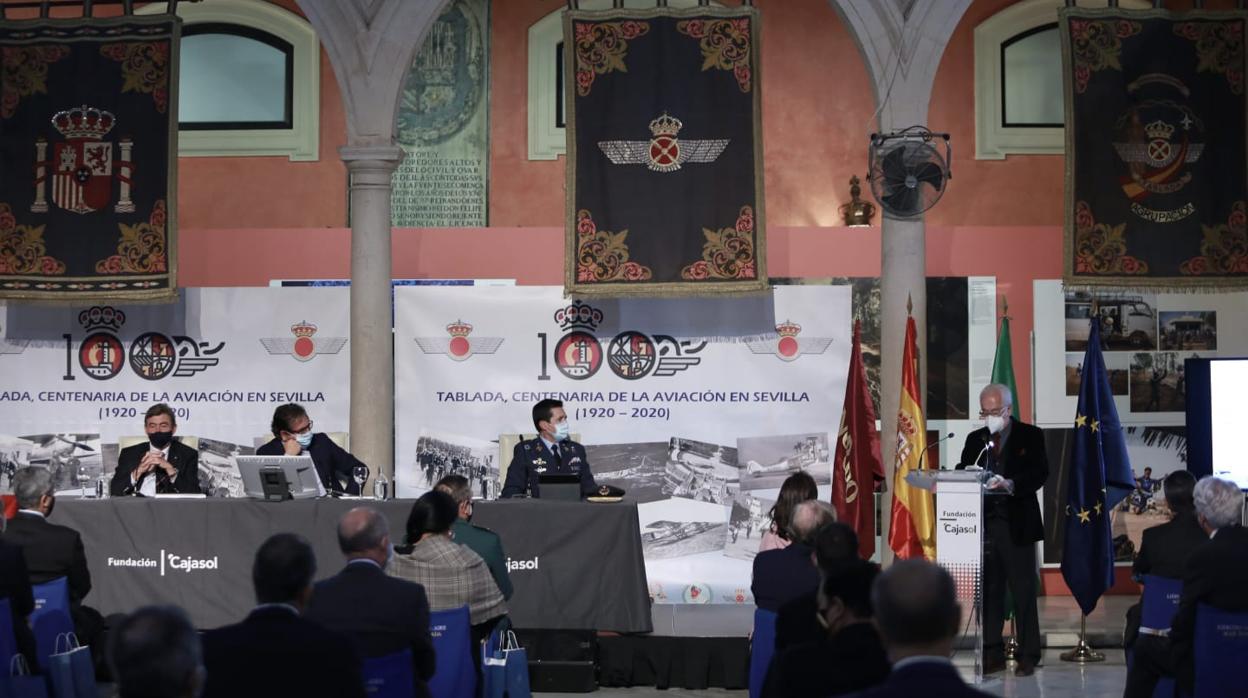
[857,466]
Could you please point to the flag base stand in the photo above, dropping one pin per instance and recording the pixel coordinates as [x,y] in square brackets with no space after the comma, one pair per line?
[1011,644]
[1083,653]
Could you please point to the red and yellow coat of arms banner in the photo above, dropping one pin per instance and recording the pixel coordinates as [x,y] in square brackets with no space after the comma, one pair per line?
[664,177]
[88,158]
[1156,148]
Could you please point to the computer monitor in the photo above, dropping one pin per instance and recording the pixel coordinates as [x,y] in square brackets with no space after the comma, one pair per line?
[566,488]
[275,478]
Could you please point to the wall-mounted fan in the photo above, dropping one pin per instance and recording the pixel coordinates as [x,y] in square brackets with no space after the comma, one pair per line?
[908,173]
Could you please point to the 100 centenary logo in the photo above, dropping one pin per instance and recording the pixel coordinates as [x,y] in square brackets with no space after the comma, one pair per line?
[152,355]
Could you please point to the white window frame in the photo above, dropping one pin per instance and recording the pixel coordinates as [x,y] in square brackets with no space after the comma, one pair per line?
[300,142]
[993,141]
[547,141]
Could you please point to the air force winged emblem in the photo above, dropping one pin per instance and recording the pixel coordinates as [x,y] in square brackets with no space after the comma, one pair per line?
[664,152]
[303,346]
[458,346]
[788,347]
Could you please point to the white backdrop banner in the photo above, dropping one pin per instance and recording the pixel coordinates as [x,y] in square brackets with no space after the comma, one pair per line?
[698,408]
[78,378]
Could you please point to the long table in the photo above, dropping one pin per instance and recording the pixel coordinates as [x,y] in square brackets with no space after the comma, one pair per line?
[574,565]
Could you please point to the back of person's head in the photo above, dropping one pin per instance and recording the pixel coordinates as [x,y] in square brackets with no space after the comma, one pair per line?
[362,530]
[916,606]
[797,488]
[284,416]
[835,542]
[155,653]
[808,517]
[434,512]
[457,486]
[30,485]
[1219,502]
[283,569]
[1179,487]
[849,583]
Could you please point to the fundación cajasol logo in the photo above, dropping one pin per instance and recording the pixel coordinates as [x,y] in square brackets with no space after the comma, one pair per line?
[167,563]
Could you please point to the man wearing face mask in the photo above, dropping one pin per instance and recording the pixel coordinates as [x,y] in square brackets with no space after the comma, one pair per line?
[551,453]
[1014,453]
[159,466]
[293,436]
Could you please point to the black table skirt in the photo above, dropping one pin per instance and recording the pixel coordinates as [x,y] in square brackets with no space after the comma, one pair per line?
[576,565]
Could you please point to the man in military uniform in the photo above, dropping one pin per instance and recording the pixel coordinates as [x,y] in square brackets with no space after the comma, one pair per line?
[478,539]
[552,452]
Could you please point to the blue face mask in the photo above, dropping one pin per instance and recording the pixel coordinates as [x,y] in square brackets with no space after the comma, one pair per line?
[563,431]
[304,440]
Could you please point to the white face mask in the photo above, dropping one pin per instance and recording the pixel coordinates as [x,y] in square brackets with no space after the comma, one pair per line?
[563,431]
[389,556]
[996,423]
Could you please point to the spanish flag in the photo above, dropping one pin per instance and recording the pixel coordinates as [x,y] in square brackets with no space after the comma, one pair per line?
[913,529]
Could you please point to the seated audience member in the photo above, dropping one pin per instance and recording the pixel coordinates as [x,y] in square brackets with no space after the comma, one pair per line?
[275,651]
[15,586]
[453,575]
[796,622]
[918,616]
[1165,549]
[382,614]
[785,574]
[1216,575]
[160,465]
[797,488]
[52,551]
[850,656]
[293,436]
[155,653]
[481,541]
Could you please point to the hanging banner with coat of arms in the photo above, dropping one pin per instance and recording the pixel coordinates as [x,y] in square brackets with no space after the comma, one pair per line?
[665,170]
[88,147]
[1156,152]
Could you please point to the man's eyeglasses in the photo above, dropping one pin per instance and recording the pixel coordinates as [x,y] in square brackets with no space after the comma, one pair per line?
[999,412]
[305,430]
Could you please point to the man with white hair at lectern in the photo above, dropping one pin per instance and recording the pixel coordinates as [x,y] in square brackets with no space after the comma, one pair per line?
[1216,575]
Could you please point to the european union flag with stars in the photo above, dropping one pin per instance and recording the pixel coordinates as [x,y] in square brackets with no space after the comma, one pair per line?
[1100,478]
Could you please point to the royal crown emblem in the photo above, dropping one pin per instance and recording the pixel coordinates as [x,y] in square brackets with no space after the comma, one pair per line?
[82,165]
[664,152]
[305,345]
[458,346]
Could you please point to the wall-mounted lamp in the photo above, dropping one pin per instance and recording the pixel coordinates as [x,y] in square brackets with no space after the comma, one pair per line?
[857,213]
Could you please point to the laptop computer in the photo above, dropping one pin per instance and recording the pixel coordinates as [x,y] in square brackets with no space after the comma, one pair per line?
[564,488]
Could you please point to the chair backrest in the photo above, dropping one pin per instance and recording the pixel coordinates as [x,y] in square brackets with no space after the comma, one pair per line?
[1161,601]
[762,646]
[52,595]
[455,675]
[1219,647]
[391,676]
[10,505]
[8,638]
[47,627]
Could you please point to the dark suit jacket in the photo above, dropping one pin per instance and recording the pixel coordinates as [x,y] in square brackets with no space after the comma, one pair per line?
[531,459]
[382,614]
[1022,460]
[333,464]
[851,660]
[783,575]
[51,551]
[1165,549]
[489,546]
[1217,575]
[796,624]
[925,679]
[15,586]
[274,652]
[182,457]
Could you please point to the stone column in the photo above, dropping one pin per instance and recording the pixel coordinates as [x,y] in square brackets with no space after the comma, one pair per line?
[901,42]
[372,339]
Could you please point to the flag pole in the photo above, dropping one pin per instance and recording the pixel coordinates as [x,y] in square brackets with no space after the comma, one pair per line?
[1083,653]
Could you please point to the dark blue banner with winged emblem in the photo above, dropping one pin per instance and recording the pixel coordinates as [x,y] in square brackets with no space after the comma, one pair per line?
[665,193]
[88,148]
[1156,150]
